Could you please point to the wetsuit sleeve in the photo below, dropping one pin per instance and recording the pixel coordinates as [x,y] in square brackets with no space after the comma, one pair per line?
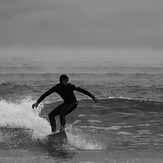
[50,91]
[83,91]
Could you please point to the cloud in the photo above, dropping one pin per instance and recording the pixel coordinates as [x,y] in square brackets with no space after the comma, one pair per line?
[82,23]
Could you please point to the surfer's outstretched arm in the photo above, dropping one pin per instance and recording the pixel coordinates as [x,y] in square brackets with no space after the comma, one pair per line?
[47,93]
[86,93]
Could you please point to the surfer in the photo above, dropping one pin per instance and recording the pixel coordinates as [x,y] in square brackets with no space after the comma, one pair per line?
[65,90]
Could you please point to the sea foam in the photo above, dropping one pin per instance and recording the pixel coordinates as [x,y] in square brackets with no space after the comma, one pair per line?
[21,115]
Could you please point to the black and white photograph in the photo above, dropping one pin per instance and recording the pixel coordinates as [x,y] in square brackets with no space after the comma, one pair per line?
[81,81]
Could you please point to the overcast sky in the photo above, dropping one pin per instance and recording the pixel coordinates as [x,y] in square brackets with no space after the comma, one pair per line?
[103,24]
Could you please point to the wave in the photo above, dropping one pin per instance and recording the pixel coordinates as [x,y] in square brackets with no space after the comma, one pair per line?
[110,105]
[22,115]
[13,88]
[23,127]
[20,126]
[129,105]
[36,67]
[21,118]
[10,89]
[14,92]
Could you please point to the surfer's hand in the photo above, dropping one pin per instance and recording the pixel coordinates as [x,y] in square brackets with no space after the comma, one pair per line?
[95,99]
[35,105]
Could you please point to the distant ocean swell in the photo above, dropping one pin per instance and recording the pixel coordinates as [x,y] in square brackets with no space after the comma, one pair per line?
[103,89]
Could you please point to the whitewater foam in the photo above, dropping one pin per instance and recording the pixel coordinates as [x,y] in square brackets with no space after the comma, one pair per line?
[80,140]
[21,115]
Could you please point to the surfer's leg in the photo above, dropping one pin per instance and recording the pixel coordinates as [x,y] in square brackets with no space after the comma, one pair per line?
[71,107]
[66,110]
[53,114]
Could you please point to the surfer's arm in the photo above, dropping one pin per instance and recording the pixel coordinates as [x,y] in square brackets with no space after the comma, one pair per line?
[47,93]
[86,93]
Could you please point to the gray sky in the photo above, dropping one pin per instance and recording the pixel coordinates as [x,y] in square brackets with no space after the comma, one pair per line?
[103,24]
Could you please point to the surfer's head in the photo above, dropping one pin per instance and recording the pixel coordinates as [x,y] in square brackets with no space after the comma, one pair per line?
[63,79]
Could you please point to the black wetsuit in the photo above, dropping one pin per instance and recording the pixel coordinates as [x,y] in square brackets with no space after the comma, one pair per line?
[69,104]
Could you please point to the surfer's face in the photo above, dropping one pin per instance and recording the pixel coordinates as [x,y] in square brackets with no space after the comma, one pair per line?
[65,82]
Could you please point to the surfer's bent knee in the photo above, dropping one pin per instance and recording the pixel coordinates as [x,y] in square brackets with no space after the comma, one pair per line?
[72,107]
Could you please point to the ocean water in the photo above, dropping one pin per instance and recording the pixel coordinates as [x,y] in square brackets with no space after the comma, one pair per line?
[125,126]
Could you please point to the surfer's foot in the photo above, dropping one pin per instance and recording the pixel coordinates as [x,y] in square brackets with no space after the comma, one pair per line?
[53,132]
[62,128]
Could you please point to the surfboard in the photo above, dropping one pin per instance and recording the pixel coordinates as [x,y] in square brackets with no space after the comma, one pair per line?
[57,138]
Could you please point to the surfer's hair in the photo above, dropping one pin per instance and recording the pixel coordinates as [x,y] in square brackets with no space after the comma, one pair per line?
[62,78]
